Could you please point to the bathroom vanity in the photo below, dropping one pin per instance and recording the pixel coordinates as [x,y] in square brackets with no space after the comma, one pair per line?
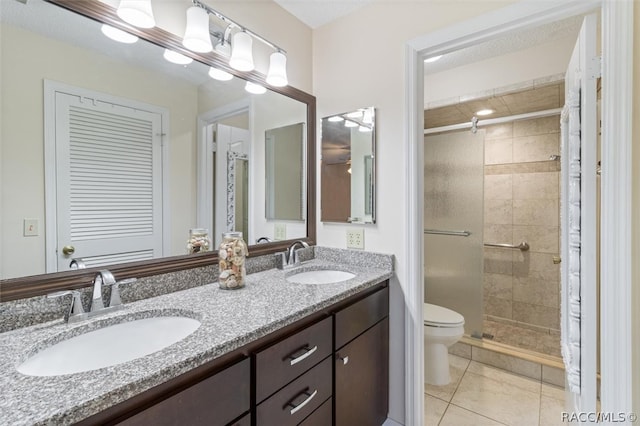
[274,353]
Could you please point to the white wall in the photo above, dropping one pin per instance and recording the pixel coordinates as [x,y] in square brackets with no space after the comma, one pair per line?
[636,212]
[358,61]
[524,65]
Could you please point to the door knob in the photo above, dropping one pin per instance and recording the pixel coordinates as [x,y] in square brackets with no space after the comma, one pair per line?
[68,250]
[556,260]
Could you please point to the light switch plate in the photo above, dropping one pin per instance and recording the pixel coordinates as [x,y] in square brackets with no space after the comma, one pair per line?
[355,238]
[30,227]
[280,231]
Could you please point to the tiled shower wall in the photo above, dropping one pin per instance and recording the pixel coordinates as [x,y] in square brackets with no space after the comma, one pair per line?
[521,202]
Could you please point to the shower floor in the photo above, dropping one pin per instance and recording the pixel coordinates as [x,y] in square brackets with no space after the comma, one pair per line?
[544,341]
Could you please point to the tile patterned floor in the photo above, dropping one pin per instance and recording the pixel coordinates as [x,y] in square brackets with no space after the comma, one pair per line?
[481,395]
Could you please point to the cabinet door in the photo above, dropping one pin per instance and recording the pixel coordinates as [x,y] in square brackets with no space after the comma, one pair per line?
[362,378]
[215,401]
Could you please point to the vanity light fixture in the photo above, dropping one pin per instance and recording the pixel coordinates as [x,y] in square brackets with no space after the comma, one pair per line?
[277,75]
[484,112]
[137,13]
[367,116]
[241,53]
[198,39]
[336,119]
[254,88]
[176,58]
[217,74]
[196,35]
[355,114]
[365,129]
[118,35]
[349,123]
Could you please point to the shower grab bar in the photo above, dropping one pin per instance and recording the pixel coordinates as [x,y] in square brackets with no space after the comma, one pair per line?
[523,246]
[445,232]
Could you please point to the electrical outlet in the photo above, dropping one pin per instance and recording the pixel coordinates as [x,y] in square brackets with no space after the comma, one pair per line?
[355,238]
[30,228]
[280,231]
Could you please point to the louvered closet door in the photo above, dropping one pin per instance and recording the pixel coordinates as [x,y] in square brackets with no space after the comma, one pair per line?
[109,184]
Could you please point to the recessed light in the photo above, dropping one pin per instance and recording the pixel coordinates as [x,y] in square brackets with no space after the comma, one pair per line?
[432,59]
[483,112]
[118,35]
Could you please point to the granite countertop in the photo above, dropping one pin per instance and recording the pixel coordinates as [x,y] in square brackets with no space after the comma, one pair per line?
[229,319]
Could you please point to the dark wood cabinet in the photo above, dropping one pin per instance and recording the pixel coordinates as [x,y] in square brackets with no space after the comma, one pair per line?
[214,401]
[287,359]
[362,378]
[296,401]
[329,368]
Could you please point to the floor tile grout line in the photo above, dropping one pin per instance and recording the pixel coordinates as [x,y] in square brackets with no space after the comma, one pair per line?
[479,414]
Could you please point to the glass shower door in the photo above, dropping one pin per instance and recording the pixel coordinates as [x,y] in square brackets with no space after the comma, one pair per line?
[453,218]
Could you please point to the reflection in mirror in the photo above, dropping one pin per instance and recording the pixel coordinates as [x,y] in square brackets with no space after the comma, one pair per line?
[348,167]
[137,136]
[285,172]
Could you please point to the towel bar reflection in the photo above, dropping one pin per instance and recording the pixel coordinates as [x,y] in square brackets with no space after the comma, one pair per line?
[446,232]
[523,246]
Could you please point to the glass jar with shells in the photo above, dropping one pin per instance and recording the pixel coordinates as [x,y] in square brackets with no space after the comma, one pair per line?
[198,241]
[231,258]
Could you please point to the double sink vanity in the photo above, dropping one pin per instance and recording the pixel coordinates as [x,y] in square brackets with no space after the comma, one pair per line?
[306,345]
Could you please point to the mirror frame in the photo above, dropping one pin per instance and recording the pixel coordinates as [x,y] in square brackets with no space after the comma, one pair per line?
[37,285]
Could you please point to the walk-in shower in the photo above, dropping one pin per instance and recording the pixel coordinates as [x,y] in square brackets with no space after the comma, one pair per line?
[492,218]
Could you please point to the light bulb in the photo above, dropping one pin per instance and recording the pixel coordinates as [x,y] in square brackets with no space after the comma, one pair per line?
[254,88]
[277,75]
[176,58]
[335,119]
[349,123]
[118,35]
[137,13]
[241,54]
[364,129]
[217,74]
[196,35]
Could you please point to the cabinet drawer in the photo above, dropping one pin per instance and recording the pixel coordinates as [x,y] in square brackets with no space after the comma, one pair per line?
[215,401]
[297,400]
[244,421]
[354,319]
[323,416]
[282,362]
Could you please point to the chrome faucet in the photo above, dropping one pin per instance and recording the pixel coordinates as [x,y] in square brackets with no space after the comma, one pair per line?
[103,277]
[77,263]
[292,257]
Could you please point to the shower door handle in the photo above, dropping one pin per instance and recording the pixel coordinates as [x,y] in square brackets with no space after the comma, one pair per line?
[447,232]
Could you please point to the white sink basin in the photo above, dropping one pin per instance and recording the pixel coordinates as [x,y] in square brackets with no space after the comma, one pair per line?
[324,276]
[108,346]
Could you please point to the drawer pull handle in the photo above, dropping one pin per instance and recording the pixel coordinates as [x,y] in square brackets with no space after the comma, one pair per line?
[308,352]
[308,399]
[345,359]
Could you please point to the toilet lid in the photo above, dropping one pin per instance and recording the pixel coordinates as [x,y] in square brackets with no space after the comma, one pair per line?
[440,316]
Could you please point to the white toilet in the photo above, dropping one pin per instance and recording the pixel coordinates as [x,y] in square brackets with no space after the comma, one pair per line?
[442,328]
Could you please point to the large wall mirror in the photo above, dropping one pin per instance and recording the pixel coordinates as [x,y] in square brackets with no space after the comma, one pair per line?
[348,167]
[111,153]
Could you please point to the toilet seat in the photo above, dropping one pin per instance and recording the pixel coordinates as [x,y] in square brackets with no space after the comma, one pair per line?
[438,316]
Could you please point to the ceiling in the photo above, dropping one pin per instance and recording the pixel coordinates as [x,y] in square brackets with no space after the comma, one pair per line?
[316,13]
[537,99]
